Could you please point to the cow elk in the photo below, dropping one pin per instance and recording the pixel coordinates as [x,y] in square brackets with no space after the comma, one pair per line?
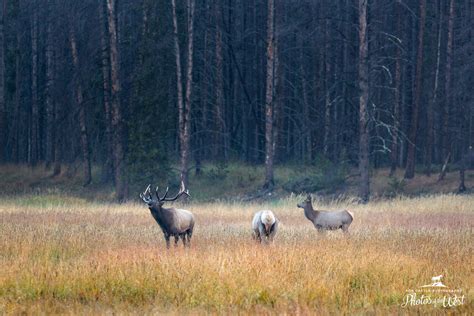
[323,220]
[264,226]
[174,222]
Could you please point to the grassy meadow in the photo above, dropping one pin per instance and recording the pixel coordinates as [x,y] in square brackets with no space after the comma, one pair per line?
[66,255]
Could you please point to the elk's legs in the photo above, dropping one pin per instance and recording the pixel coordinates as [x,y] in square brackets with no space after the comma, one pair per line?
[345,229]
[257,237]
[167,238]
[183,238]
[189,234]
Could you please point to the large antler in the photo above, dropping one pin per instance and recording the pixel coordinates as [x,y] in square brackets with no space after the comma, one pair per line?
[164,196]
[182,190]
[144,197]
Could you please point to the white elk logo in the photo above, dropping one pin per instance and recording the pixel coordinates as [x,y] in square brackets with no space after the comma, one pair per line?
[436,282]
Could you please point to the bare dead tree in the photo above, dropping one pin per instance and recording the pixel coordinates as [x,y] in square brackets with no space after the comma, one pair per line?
[116,111]
[184,107]
[105,55]
[363,101]
[434,99]
[186,121]
[269,97]
[221,150]
[84,137]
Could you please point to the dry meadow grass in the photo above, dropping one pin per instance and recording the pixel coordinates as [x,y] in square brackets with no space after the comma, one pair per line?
[65,255]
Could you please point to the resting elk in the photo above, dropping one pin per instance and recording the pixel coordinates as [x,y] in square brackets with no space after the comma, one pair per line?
[173,221]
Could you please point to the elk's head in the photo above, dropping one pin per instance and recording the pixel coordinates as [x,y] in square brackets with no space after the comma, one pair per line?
[158,202]
[305,203]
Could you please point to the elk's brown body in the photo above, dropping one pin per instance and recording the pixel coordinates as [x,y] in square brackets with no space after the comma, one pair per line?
[323,220]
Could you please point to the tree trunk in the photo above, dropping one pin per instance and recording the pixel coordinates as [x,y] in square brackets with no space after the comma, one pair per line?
[269,98]
[58,123]
[277,96]
[3,110]
[431,105]
[185,150]
[346,78]
[256,84]
[219,107]
[15,135]
[116,111]
[184,108]
[49,157]
[448,94]
[397,105]
[462,168]
[58,140]
[229,90]
[108,171]
[34,134]
[327,96]
[179,80]
[201,120]
[411,154]
[467,159]
[82,111]
[57,144]
[306,153]
[442,174]
[363,101]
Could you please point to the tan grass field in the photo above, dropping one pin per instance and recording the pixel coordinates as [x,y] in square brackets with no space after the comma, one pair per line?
[63,255]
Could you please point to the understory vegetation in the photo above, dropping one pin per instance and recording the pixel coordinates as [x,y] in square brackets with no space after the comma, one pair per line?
[64,254]
[231,182]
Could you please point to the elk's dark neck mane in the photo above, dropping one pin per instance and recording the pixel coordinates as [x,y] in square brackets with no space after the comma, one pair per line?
[163,216]
[309,212]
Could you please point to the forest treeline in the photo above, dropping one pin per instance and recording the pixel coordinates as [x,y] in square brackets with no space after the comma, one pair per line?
[139,86]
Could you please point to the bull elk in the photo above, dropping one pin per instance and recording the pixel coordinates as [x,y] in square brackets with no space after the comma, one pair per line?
[323,220]
[173,221]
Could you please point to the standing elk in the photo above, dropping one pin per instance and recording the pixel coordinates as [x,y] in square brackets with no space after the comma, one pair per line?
[323,220]
[173,221]
[264,226]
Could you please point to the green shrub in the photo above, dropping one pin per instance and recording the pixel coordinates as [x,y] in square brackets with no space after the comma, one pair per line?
[396,186]
[219,172]
[324,176]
